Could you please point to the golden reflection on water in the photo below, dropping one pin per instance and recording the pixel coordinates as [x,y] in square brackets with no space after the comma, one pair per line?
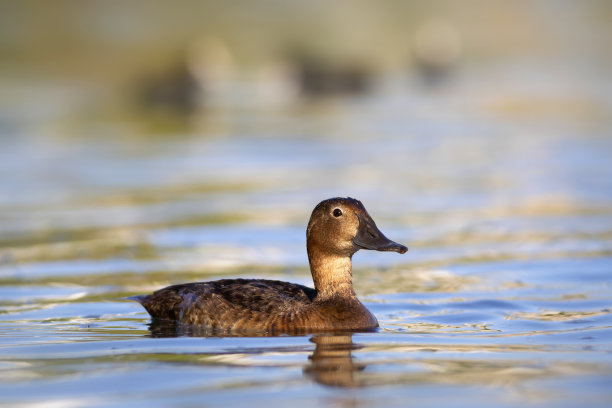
[332,363]
[558,316]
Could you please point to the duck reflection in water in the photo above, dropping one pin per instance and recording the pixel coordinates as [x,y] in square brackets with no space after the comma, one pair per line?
[331,363]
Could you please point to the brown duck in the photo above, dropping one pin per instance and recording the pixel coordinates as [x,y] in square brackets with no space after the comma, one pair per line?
[338,228]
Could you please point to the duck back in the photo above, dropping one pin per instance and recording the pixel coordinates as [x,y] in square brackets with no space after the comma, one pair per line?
[230,304]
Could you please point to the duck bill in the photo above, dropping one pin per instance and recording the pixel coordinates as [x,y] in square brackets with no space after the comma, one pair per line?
[370,237]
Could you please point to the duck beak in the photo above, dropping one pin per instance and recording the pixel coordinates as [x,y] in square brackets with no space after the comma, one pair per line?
[369,237]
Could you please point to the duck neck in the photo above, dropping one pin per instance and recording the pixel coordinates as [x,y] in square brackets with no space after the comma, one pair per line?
[332,275]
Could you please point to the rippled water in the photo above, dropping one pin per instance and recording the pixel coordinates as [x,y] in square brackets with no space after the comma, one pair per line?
[503,195]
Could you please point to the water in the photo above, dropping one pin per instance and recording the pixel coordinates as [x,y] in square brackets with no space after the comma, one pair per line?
[504,199]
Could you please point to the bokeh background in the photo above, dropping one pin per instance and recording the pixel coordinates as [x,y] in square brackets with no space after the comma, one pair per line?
[145,143]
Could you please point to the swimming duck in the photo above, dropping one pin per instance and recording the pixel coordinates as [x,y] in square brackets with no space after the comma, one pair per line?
[338,228]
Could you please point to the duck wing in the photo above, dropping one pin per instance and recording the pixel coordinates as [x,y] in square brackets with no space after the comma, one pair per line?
[225,303]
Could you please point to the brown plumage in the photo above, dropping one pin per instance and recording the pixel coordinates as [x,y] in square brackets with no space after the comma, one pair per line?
[338,228]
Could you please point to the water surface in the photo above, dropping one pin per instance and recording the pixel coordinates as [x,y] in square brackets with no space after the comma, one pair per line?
[503,299]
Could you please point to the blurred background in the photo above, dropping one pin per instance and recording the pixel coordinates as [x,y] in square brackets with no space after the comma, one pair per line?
[122,120]
[145,143]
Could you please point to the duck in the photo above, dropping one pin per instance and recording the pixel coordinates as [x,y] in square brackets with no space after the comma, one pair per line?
[337,229]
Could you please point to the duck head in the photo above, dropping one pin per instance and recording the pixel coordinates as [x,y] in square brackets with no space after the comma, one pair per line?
[342,226]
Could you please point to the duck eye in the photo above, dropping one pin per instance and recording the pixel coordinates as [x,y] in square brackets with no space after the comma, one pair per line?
[337,212]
